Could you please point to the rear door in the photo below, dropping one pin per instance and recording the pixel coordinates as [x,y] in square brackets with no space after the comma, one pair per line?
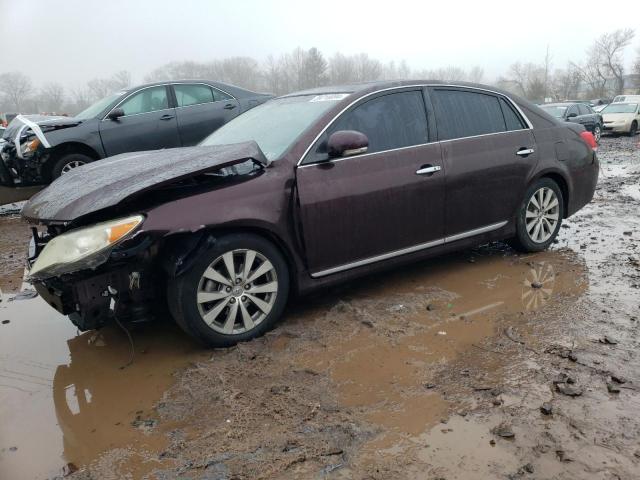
[488,153]
[149,123]
[586,117]
[372,206]
[202,109]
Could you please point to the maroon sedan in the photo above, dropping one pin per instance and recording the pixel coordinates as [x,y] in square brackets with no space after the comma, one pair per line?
[304,191]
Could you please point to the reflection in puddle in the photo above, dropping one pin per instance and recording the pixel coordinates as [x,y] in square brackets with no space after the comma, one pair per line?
[439,312]
[64,397]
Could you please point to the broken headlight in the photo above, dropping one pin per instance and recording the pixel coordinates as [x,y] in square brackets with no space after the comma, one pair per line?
[29,146]
[67,249]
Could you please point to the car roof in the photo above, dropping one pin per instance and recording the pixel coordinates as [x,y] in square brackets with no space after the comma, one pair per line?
[563,104]
[384,84]
[232,89]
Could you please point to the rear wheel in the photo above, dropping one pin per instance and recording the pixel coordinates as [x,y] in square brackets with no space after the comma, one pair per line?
[68,162]
[234,292]
[634,129]
[539,217]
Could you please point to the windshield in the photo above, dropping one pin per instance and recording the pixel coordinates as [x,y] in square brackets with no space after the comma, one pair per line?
[276,124]
[555,110]
[620,108]
[98,107]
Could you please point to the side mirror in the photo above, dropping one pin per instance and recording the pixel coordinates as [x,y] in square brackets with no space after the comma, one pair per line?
[345,143]
[572,115]
[115,114]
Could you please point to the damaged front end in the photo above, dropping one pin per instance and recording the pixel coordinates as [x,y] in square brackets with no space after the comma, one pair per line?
[91,257]
[25,152]
[96,272]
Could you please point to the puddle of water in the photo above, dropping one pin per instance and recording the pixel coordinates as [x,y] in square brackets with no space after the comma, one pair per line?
[387,375]
[64,397]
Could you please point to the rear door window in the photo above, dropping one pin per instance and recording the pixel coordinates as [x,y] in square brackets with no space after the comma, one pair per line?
[196,94]
[462,114]
[390,121]
[583,110]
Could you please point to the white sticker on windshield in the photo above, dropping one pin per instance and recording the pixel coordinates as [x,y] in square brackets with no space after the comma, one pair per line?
[329,97]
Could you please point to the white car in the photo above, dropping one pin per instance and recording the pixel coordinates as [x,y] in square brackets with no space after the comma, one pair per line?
[621,118]
[626,99]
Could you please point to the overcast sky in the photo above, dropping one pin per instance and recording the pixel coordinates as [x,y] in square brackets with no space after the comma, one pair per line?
[72,41]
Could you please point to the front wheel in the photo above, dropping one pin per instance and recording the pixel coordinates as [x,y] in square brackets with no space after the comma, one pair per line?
[235,291]
[69,162]
[539,216]
[597,133]
[634,129]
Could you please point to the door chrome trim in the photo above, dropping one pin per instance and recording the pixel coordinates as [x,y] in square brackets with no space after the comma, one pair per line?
[404,251]
[427,170]
[414,86]
[475,231]
[525,152]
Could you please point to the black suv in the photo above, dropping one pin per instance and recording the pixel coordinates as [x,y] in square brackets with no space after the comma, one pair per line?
[38,149]
[577,112]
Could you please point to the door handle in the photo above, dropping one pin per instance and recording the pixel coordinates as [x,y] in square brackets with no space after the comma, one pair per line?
[428,169]
[166,117]
[525,152]
[229,106]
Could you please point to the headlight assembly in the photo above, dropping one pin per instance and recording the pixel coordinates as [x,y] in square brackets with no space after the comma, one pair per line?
[30,146]
[82,244]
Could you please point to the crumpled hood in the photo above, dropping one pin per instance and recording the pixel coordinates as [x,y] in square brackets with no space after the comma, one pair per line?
[107,182]
[46,123]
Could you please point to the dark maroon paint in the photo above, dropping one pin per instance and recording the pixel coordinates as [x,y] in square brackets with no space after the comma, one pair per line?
[332,213]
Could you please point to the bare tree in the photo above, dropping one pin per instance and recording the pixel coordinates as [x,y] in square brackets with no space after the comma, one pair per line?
[566,83]
[101,87]
[315,69]
[606,60]
[341,69]
[476,74]
[527,80]
[16,87]
[52,98]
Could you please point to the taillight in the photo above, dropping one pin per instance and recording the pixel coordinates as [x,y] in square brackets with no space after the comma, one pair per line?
[589,139]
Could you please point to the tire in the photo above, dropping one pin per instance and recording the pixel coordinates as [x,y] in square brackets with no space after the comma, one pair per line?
[597,133]
[68,162]
[527,238]
[222,314]
[634,129]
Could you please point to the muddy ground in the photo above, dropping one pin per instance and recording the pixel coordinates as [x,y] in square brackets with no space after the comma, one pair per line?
[482,364]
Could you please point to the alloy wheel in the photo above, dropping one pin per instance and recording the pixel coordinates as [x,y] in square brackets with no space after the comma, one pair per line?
[597,133]
[237,291]
[70,166]
[542,215]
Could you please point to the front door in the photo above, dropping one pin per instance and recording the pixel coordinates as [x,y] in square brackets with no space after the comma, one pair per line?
[366,208]
[149,123]
[488,152]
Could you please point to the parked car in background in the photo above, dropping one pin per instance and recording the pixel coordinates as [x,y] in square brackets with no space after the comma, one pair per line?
[39,149]
[577,112]
[626,99]
[304,191]
[599,108]
[622,118]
